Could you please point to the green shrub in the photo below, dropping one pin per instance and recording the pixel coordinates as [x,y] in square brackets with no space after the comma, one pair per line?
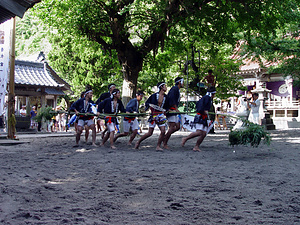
[252,134]
[46,113]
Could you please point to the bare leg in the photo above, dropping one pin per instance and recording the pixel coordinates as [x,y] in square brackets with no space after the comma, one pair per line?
[59,125]
[199,141]
[120,135]
[78,134]
[111,139]
[146,135]
[87,132]
[93,128]
[161,138]
[132,136]
[98,126]
[103,133]
[105,138]
[76,127]
[190,136]
[173,127]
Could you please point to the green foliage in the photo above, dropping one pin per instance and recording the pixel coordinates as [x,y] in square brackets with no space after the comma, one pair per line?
[134,31]
[30,35]
[99,42]
[281,47]
[44,112]
[252,134]
[82,62]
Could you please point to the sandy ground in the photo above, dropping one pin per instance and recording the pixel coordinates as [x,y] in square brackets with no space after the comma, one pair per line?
[47,181]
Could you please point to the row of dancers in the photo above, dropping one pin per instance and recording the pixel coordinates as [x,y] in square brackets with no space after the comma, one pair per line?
[163,107]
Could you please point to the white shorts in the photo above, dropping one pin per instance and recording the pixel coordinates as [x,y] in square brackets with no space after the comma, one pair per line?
[173,119]
[82,123]
[154,124]
[134,125]
[110,127]
[201,127]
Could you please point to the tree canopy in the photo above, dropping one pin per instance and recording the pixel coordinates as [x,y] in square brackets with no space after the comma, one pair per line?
[155,37]
[280,48]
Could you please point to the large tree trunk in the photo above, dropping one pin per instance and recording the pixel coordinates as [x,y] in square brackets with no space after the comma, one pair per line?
[132,63]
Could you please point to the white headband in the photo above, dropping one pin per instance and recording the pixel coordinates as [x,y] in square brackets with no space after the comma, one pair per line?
[87,92]
[181,80]
[161,85]
[113,93]
[210,93]
[111,86]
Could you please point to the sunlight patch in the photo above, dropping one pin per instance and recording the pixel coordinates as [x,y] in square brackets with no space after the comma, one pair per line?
[82,150]
[62,181]
[290,140]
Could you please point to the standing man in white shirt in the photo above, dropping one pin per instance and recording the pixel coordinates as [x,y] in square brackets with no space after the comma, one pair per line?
[23,111]
[254,106]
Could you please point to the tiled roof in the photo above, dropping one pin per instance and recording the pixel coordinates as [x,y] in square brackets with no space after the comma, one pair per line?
[9,8]
[250,65]
[52,91]
[33,73]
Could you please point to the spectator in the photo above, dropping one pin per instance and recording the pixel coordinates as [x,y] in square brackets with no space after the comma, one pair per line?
[254,106]
[33,114]
[59,119]
[210,79]
[23,111]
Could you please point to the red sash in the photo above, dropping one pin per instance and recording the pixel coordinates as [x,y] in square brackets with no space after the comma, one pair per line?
[155,112]
[129,119]
[86,117]
[108,119]
[203,116]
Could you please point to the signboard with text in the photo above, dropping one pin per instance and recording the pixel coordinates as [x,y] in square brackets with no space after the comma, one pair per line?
[5,29]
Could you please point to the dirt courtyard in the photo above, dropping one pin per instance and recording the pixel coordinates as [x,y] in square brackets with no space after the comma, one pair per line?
[48,181]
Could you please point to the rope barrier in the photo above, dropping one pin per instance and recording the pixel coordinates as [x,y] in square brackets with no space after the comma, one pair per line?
[117,114]
[141,114]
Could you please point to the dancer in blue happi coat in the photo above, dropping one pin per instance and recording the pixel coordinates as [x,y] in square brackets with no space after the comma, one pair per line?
[173,119]
[158,104]
[111,105]
[102,97]
[131,121]
[84,105]
[201,119]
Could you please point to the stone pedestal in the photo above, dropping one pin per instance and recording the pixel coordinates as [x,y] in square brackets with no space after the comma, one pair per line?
[268,122]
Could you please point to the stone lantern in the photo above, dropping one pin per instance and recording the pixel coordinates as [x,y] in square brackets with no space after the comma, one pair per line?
[265,117]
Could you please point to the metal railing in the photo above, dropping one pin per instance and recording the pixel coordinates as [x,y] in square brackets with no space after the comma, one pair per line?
[282,104]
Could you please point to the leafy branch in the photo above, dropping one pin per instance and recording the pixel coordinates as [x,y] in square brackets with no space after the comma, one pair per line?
[252,134]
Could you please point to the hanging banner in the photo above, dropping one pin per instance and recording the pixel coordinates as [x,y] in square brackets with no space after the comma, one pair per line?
[5,29]
[188,123]
[278,88]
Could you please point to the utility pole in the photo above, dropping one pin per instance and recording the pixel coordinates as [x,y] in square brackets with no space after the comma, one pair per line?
[11,128]
[187,82]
